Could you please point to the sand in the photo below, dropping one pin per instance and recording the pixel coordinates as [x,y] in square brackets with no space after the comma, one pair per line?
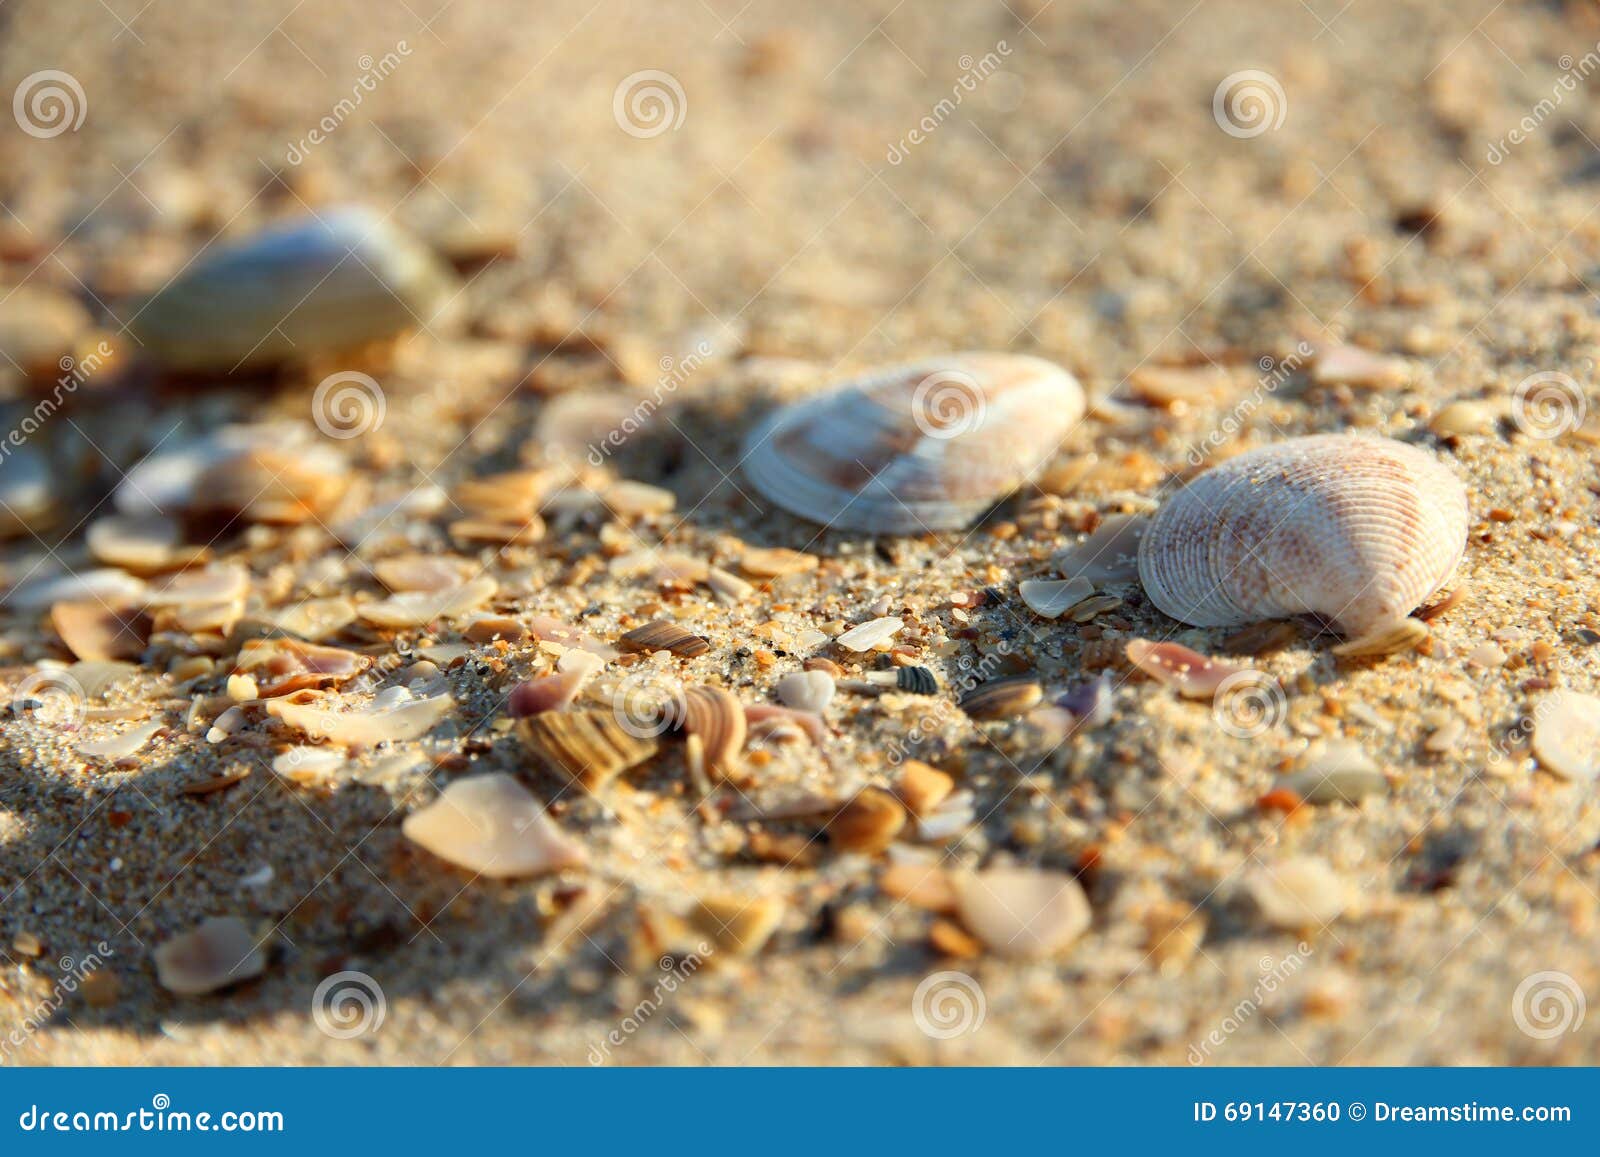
[1080,201]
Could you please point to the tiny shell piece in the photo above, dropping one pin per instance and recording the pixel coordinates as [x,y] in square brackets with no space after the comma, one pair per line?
[1357,529]
[98,631]
[589,747]
[492,825]
[418,608]
[1109,555]
[664,635]
[915,448]
[1566,734]
[1002,698]
[739,925]
[718,718]
[402,717]
[220,952]
[283,666]
[807,690]
[1339,770]
[1188,672]
[869,634]
[1022,913]
[1299,892]
[868,823]
[1051,598]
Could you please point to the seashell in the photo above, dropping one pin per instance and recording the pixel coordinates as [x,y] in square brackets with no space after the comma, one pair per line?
[418,608]
[868,823]
[870,634]
[1050,598]
[1022,913]
[219,583]
[423,572]
[664,635]
[220,952]
[1187,672]
[1566,735]
[284,666]
[738,925]
[492,825]
[98,632]
[123,745]
[916,681]
[1297,893]
[637,499]
[777,561]
[915,448]
[730,588]
[554,692]
[332,282]
[1339,770]
[1109,555]
[39,328]
[144,544]
[588,747]
[507,497]
[100,585]
[399,717]
[177,475]
[807,690]
[718,718]
[522,531]
[1359,530]
[1351,365]
[281,487]
[769,721]
[923,788]
[1002,698]
[316,619]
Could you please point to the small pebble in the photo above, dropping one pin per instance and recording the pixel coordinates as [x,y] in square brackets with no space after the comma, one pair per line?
[1299,892]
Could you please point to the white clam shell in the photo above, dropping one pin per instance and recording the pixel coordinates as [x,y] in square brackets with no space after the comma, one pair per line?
[920,447]
[328,282]
[1359,530]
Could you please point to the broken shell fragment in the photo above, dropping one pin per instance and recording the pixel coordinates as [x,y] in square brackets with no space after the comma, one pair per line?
[326,283]
[807,690]
[144,544]
[492,825]
[97,631]
[220,952]
[1050,598]
[418,608]
[871,633]
[718,718]
[664,635]
[283,666]
[1338,770]
[1188,672]
[1109,555]
[1298,892]
[588,747]
[554,692]
[392,717]
[1359,530]
[1022,913]
[1566,735]
[868,823]
[1002,698]
[915,448]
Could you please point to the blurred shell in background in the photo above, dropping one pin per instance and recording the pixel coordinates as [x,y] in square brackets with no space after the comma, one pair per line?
[921,447]
[330,282]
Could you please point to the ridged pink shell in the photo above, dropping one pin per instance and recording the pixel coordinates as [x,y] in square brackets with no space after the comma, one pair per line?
[1359,530]
[926,446]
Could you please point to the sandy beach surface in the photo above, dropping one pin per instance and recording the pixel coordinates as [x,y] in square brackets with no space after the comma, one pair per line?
[1234,226]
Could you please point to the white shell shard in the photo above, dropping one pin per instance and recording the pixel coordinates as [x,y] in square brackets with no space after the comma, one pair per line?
[921,447]
[870,633]
[1566,735]
[103,585]
[492,825]
[220,952]
[1359,530]
[327,282]
[1022,913]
